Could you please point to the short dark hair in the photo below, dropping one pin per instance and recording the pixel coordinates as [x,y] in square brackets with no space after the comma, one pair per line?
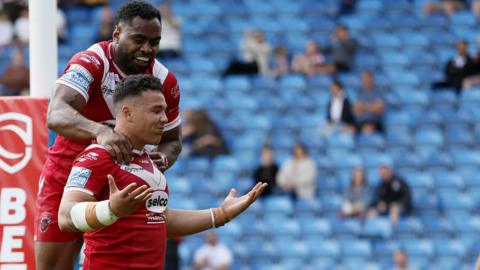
[337,82]
[135,85]
[132,9]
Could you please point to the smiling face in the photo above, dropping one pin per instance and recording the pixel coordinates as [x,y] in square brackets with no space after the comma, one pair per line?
[136,43]
[147,117]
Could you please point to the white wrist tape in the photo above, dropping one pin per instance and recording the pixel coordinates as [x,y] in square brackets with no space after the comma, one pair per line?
[77,214]
[104,213]
[212,216]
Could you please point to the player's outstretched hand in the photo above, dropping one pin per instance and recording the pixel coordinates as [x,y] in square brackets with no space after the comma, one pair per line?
[124,202]
[160,159]
[117,144]
[233,206]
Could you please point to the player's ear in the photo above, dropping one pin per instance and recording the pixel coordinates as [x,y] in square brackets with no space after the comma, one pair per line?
[127,113]
[116,33]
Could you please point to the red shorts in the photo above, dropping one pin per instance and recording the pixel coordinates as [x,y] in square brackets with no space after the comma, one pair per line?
[52,182]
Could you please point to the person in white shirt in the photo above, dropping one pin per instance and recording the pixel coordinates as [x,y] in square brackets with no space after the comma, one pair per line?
[213,255]
[21,27]
[171,36]
[297,175]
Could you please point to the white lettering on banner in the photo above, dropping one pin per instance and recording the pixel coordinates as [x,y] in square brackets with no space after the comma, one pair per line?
[10,242]
[13,267]
[25,135]
[12,205]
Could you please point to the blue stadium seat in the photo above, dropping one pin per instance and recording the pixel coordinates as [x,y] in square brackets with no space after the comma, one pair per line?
[356,249]
[438,226]
[328,249]
[418,248]
[408,227]
[283,204]
[349,228]
[379,227]
[448,180]
[449,248]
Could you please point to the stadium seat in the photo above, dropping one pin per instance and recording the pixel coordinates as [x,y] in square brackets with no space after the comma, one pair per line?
[379,227]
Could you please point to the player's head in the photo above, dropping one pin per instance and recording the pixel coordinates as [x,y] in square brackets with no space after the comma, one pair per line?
[136,37]
[140,109]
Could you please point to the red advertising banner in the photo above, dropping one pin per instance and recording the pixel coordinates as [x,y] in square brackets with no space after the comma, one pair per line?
[23,149]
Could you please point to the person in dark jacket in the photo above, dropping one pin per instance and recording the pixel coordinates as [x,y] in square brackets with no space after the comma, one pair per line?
[339,109]
[392,197]
[267,170]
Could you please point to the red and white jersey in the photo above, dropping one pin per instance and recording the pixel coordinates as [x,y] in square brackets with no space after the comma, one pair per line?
[136,241]
[94,75]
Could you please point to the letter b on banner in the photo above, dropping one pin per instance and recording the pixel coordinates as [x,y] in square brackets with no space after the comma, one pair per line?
[23,148]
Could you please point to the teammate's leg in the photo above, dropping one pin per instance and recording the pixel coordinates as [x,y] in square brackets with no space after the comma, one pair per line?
[57,255]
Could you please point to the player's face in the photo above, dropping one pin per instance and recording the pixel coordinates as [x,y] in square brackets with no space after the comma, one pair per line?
[150,117]
[137,44]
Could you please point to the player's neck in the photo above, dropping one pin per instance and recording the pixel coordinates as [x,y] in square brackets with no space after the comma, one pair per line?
[136,144]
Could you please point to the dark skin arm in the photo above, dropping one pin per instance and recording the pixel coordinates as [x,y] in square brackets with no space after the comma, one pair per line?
[64,118]
[170,147]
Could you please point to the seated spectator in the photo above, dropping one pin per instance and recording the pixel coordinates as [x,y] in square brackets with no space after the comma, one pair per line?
[356,198]
[201,136]
[6,30]
[401,260]
[171,43]
[267,171]
[297,175]
[476,7]
[392,197]
[342,47]
[16,77]
[339,110]
[448,7]
[311,62]
[280,64]
[105,28]
[457,68]
[21,28]
[346,7]
[369,107]
[213,255]
[61,26]
[256,55]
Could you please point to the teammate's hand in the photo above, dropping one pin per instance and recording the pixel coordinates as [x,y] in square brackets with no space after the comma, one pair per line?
[160,159]
[234,206]
[124,202]
[117,144]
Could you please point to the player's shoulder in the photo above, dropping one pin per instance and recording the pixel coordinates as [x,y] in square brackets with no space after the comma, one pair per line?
[162,72]
[94,155]
[92,58]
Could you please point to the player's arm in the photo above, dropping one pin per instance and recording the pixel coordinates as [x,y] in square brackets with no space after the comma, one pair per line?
[81,212]
[187,222]
[64,118]
[168,149]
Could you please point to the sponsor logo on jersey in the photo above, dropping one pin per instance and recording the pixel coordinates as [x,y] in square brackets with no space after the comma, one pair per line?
[45,221]
[87,156]
[15,157]
[154,218]
[78,76]
[78,177]
[158,202]
[175,91]
[90,59]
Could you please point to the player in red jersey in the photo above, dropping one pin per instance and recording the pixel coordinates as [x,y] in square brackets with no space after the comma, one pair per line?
[126,227]
[81,111]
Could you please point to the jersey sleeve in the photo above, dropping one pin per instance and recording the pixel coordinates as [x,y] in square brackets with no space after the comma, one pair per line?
[82,72]
[171,91]
[89,173]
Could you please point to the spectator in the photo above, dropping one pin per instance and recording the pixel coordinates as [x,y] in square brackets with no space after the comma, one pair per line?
[343,49]
[339,110]
[476,7]
[446,6]
[212,255]
[171,34]
[281,64]
[201,136]
[61,26]
[105,28]
[401,260]
[297,175]
[392,197]
[256,54]
[6,30]
[356,198]
[457,68]
[369,107]
[346,7]
[311,62]
[16,77]
[21,28]
[267,171]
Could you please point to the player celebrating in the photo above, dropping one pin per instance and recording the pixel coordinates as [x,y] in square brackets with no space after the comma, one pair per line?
[127,226]
[81,110]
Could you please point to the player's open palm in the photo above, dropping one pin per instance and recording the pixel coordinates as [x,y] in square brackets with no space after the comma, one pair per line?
[126,201]
[117,144]
[234,206]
